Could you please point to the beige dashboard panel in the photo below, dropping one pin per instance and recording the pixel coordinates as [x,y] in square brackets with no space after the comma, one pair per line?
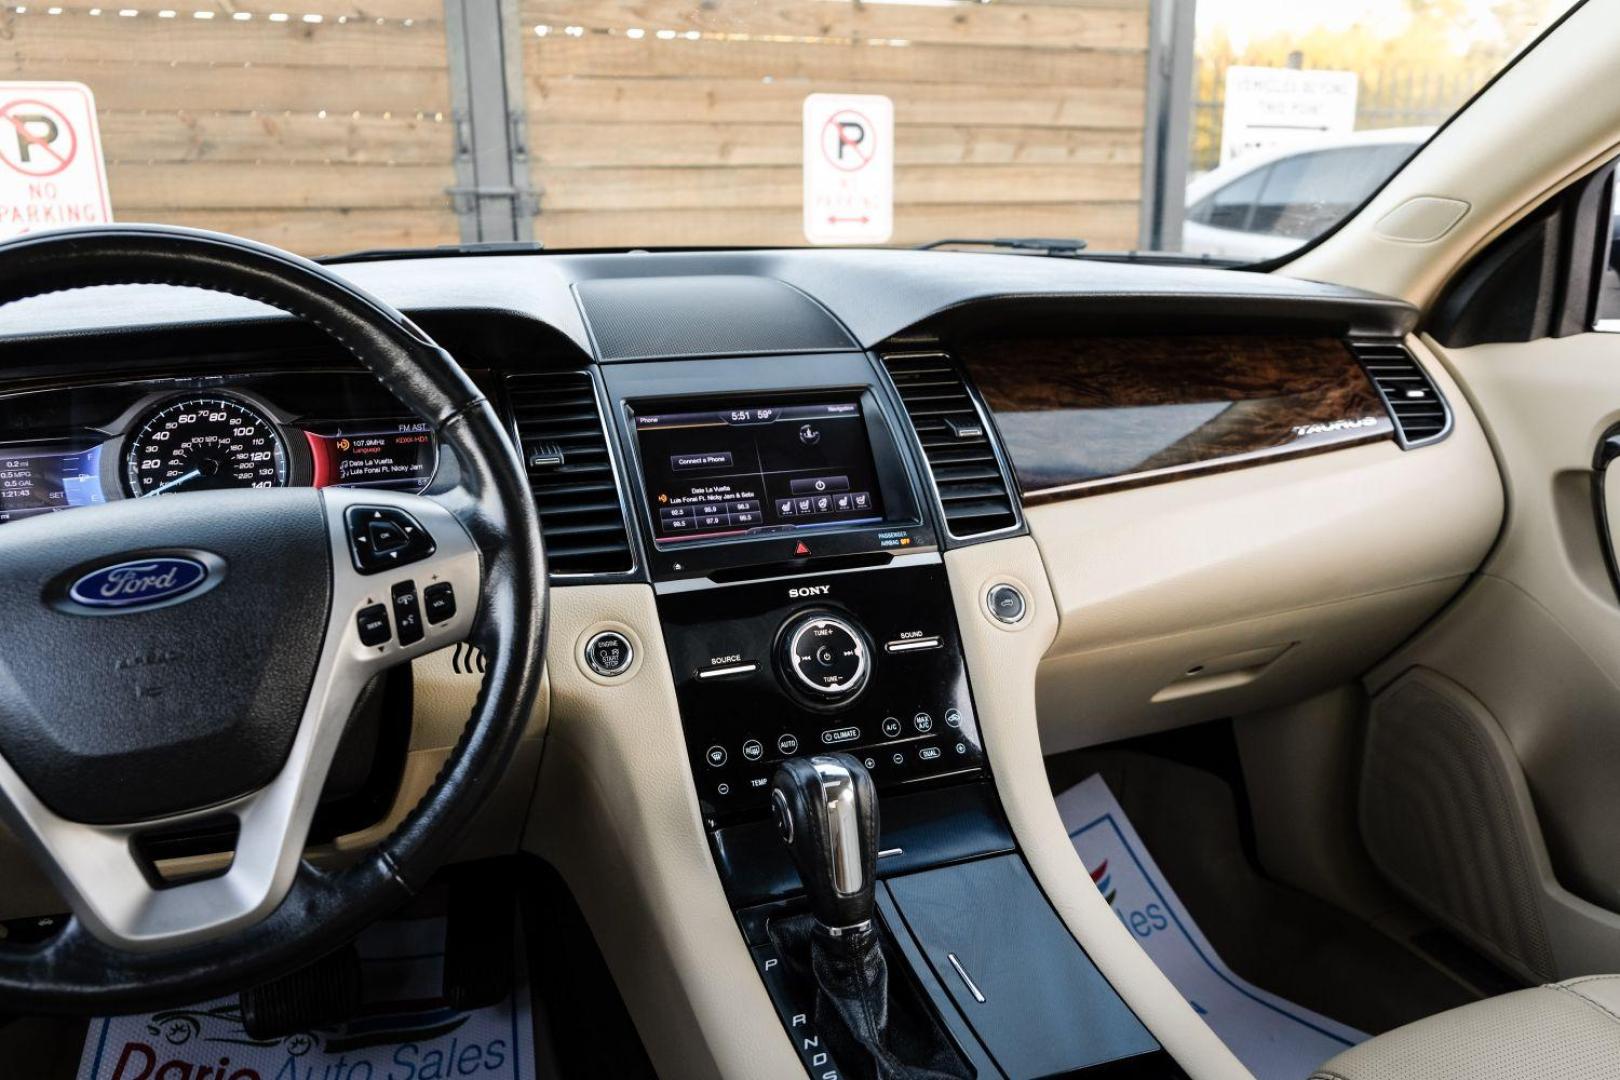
[1546,121]
[1533,639]
[617,814]
[1002,663]
[1224,594]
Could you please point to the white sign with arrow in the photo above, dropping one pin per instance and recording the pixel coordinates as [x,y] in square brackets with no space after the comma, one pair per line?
[848,168]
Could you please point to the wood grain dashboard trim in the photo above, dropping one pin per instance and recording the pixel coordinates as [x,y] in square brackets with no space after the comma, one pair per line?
[1078,416]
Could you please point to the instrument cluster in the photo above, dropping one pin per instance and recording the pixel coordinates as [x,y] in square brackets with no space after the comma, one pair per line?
[76,446]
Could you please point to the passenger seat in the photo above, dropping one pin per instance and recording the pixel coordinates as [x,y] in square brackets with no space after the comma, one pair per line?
[1561,1031]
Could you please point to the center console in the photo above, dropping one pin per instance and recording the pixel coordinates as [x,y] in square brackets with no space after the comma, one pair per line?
[866,661]
[807,612]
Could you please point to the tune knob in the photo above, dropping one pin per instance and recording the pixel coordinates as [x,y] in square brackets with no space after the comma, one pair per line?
[825,655]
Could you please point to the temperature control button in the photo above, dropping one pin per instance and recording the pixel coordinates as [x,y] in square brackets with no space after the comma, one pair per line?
[826,655]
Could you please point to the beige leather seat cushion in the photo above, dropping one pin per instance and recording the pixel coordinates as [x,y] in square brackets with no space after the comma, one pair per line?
[1563,1031]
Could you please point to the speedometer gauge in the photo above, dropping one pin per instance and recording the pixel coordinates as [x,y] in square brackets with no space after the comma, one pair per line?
[204,443]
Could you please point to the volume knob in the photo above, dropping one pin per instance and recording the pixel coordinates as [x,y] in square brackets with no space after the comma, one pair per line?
[826,655]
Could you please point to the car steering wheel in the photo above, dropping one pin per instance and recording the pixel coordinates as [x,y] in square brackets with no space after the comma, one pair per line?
[180,661]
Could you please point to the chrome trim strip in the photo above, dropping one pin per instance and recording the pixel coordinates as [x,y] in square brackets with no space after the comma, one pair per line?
[1196,469]
[912,645]
[696,584]
[725,672]
[971,985]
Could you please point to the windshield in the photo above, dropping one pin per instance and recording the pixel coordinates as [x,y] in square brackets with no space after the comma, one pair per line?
[326,126]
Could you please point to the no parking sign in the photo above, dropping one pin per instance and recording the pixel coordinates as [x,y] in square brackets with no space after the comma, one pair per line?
[51,170]
[848,168]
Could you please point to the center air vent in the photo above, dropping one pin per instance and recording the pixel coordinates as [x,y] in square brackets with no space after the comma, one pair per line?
[973,492]
[1420,414]
[564,444]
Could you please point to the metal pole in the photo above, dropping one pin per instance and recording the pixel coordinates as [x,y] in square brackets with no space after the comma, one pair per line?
[1171,26]
[492,196]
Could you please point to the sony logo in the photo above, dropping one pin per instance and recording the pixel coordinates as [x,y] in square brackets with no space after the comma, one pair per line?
[1336,425]
[810,590]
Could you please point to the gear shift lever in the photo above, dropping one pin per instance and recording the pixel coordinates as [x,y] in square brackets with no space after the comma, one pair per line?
[826,808]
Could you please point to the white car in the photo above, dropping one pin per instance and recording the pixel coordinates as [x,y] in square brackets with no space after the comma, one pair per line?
[1269,203]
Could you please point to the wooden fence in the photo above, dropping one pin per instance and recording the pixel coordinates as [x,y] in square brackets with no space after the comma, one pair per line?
[319,136]
[668,122]
[327,125]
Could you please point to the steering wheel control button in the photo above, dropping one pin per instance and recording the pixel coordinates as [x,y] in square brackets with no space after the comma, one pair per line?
[753,750]
[407,612]
[716,756]
[609,655]
[383,537]
[891,726]
[439,600]
[787,745]
[840,736]
[372,622]
[826,655]
[923,723]
[1006,603]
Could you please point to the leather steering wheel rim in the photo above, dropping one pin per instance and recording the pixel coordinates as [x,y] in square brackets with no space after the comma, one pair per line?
[76,971]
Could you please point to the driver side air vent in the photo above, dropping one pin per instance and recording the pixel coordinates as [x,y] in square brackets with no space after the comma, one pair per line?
[973,492]
[564,444]
[1420,414]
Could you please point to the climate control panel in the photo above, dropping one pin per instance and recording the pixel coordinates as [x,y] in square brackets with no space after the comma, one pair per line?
[866,661]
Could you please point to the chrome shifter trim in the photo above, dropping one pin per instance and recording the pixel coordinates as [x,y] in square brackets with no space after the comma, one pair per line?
[842,821]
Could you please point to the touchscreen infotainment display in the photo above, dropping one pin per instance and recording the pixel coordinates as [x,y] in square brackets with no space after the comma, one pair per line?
[719,472]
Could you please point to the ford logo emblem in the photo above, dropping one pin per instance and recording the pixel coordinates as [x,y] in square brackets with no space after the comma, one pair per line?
[139,582]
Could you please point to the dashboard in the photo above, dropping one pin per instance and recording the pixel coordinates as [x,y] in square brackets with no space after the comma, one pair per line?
[788,448]
[77,445]
[947,512]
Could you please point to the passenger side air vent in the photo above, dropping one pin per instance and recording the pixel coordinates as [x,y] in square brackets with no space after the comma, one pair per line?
[564,443]
[973,492]
[1420,414]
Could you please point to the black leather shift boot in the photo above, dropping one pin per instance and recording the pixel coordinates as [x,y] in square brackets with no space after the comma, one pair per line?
[875,1021]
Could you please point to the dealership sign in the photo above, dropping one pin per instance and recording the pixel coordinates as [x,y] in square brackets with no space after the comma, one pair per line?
[51,169]
[1275,108]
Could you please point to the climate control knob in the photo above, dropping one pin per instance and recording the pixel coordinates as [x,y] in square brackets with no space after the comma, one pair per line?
[825,655]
